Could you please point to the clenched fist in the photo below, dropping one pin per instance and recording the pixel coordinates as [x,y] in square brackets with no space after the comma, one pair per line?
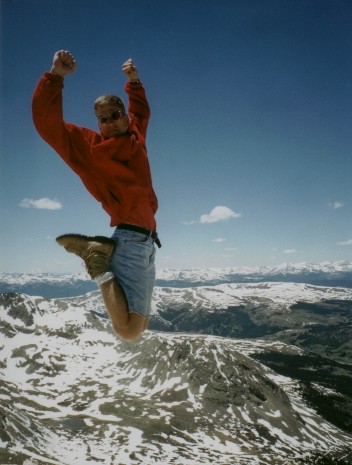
[63,63]
[130,70]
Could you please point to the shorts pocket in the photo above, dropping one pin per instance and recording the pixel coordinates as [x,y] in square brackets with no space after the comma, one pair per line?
[133,236]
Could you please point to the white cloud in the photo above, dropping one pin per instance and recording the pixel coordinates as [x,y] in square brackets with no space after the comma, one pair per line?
[219,239]
[42,204]
[189,222]
[349,242]
[219,213]
[290,251]
[335,205]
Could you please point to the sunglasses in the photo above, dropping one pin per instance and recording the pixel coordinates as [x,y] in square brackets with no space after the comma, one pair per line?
[114,116]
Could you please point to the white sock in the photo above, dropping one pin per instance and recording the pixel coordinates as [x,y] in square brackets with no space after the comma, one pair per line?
[104,277]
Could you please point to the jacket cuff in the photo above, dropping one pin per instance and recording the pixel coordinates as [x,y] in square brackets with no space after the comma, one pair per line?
[133,85]
[53,77]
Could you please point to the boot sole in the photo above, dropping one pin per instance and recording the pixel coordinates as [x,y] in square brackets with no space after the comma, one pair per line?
[102,239]
[65,239]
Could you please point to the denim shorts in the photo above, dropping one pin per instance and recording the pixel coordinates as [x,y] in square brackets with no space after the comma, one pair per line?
[133,264]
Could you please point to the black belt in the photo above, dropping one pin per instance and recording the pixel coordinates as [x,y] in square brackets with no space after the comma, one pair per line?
[139,229]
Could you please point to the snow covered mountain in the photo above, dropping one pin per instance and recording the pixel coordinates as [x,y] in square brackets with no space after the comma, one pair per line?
[72,393]
[225,295]
[47,284]
[325,273]
[70,285]
[315,318]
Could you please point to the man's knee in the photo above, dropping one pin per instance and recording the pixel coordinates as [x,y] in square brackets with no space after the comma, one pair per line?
[128,332]
[129,335]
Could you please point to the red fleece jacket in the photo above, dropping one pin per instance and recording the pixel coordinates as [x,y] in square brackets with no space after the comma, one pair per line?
[115,171]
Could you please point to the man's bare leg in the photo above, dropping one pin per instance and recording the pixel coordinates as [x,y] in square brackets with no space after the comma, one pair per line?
[126,324]
[96,251]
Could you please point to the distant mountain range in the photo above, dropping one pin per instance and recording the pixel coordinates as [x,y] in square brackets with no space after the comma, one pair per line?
[275,391]
[338,274]
[325,273]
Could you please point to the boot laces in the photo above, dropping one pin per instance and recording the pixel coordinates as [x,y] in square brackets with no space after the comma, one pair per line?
[90,266]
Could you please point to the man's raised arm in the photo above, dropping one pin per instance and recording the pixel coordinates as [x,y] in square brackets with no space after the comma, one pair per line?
[138,106]
[47,103]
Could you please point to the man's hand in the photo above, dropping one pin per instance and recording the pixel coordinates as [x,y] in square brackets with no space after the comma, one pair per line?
[63,63]
[130,70]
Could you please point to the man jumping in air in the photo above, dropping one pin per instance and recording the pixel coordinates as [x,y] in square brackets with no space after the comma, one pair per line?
[113,165]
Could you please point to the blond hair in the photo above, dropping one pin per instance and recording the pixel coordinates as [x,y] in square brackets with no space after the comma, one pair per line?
[109,100]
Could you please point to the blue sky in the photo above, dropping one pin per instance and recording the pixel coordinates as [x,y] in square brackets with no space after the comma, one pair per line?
[249,140]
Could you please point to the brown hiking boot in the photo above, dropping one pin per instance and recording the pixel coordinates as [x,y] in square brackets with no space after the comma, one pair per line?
[96,251]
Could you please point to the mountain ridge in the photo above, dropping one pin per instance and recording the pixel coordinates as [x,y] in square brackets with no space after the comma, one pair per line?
[337,273]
